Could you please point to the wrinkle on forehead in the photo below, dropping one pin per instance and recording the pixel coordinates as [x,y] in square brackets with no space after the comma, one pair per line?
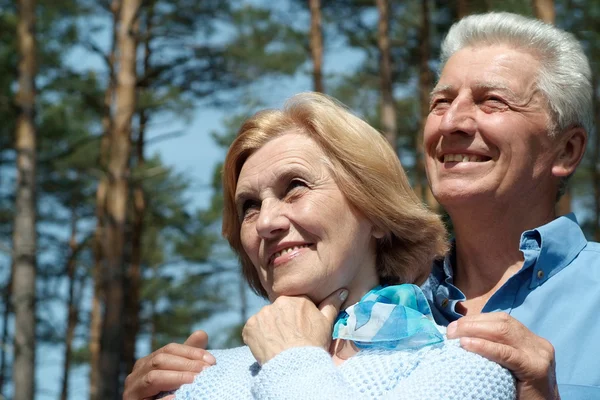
[305,159]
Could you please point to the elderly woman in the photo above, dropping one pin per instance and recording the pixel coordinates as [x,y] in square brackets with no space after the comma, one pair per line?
[320,212]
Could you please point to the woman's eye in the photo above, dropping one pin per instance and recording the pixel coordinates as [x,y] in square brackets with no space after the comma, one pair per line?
[295,183]
[250,205]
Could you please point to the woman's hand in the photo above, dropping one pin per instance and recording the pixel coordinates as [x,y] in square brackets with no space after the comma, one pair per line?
[168,368]
[292,322]
[501,338]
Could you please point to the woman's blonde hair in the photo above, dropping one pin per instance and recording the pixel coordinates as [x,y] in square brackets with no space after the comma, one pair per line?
[367,171]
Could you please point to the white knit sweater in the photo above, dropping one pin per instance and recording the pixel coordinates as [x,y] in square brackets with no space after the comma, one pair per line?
[442,371]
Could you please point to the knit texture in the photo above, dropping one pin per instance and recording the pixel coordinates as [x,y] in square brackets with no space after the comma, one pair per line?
[441,371]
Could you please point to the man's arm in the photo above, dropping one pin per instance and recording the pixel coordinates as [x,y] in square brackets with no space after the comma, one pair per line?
[168,368]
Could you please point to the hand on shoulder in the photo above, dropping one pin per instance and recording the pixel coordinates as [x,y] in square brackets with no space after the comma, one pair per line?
[168,368]
[501,338]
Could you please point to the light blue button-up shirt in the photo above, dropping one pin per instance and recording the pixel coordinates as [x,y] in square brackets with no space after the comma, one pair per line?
[556,294]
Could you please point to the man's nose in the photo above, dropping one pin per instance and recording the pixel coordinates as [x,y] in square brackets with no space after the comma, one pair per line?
[271,221]
[459,117]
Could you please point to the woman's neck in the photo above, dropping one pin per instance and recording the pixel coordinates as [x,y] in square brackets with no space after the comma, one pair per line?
[341,350]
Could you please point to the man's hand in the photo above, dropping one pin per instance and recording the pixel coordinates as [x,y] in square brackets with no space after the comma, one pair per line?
[168,368]
[291,322]
[501,338]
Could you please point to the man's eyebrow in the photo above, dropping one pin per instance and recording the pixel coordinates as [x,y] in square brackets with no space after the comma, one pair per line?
[493,85]
[440,89]
[487,85]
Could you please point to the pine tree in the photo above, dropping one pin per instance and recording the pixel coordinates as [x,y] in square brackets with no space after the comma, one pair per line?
[24,234]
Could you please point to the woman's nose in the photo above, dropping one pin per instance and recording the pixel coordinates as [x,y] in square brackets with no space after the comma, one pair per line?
[459,117]
[271,221]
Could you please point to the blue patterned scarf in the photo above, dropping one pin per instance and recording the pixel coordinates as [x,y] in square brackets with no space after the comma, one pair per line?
[392,317]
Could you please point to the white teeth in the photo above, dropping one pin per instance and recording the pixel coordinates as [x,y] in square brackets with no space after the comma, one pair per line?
[285,251]
[461,158]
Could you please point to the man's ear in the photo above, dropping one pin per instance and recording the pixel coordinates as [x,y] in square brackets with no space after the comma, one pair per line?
[572,146]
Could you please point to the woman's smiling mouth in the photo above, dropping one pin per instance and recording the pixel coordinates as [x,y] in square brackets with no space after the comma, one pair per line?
[286,254]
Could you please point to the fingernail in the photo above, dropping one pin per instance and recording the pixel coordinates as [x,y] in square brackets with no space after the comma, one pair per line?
[451,330]
[343,295]
[209,358]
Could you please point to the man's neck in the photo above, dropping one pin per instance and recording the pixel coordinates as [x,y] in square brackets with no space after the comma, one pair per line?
[487,248]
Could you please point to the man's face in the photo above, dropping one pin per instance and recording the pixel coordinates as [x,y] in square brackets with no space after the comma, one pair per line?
[486,137]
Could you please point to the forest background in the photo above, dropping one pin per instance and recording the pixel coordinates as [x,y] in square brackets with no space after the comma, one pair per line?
[116,115]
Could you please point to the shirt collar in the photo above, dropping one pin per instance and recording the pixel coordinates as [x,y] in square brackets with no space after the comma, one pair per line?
[551,247]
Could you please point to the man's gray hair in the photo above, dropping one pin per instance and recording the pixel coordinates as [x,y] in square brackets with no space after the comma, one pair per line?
[564,78]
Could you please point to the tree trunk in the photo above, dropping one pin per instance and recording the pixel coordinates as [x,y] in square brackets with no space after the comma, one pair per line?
[134,276]
[96,317]
[544,10]
[425,82]
[388,104]
[24,234]
[316,44]
[73,310]
[462,9]
[116,202]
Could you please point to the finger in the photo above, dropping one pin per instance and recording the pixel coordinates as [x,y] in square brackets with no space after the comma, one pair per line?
[501,332]
[182,350]
[197,339]
[330,307]
[507,356]
[155,382]
[490,317]
[169,362]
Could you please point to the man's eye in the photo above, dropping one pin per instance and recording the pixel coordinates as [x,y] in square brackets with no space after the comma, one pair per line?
[494,99]
[495,103]
[439,103]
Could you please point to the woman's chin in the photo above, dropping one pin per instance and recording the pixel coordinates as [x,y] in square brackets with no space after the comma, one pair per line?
[291,292]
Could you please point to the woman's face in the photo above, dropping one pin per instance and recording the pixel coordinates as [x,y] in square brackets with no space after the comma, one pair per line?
[297,227]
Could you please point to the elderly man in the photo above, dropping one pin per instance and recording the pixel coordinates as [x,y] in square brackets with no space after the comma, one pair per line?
[507,127]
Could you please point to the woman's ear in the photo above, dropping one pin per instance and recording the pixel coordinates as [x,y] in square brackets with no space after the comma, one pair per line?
[572,147]
[377,233]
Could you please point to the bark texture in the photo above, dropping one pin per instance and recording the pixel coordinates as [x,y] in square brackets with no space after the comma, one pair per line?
[113,248]
[316,44]
[544,10]
[96,317]
[425,85]
[24,233]
[388,104]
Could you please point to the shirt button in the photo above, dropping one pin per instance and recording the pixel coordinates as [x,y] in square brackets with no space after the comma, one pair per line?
[540,274]
[445,303]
